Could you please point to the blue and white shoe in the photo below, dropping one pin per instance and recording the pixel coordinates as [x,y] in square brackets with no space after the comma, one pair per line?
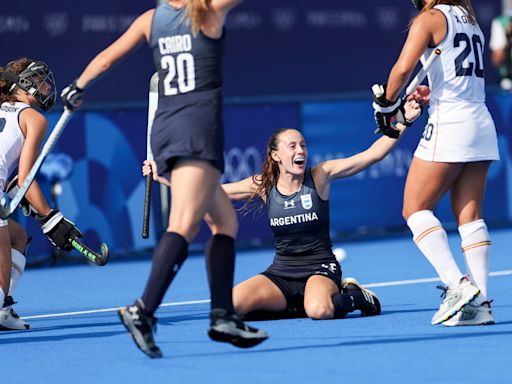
[472,314]
[454,299]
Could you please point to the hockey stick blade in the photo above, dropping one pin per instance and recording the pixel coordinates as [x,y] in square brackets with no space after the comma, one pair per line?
[96,258]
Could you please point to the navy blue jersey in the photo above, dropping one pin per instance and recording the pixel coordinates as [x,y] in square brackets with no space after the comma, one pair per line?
[188,122]
[185,63]
[300,223]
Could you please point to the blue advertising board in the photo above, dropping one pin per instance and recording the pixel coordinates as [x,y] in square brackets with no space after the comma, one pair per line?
[277,47]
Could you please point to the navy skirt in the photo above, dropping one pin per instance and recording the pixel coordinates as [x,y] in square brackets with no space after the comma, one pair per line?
[189,126]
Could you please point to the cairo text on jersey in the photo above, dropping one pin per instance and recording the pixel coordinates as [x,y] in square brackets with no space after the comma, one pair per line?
[175,44]
[295,219]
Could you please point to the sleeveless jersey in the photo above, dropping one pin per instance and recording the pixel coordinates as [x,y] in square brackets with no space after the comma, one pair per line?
[185,63]
[300,223]
[460,127]
[458,74]
[11,139]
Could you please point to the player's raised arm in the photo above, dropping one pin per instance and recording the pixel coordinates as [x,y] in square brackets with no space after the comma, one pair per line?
[340,168]
[134,36]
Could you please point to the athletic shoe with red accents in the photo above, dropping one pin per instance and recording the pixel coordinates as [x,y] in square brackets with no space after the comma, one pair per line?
[454,299]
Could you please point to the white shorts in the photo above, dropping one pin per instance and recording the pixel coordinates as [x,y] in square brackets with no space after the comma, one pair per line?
[458,133]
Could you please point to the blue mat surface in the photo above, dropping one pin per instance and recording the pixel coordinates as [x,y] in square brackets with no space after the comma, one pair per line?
[76,336]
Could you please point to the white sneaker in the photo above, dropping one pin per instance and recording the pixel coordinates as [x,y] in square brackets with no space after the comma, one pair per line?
[10,321]
[454,299]
[472,314]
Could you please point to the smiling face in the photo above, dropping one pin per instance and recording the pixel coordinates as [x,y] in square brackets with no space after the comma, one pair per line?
[291,154]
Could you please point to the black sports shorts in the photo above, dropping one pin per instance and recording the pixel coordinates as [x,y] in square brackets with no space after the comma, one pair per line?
[188,126]
[293,287]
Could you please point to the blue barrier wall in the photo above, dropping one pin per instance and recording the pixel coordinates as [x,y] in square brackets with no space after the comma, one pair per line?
[273,47]
[104,193]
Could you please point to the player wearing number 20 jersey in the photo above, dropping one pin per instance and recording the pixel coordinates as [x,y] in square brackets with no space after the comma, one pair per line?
[189,117]
[460,128]
[454,153]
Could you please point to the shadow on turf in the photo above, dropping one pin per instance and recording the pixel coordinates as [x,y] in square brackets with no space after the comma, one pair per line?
[377,340]
[38,339]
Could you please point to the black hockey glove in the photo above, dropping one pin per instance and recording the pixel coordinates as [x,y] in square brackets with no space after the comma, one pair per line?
[12,189]
[385,112]
[72,96]
[59,230]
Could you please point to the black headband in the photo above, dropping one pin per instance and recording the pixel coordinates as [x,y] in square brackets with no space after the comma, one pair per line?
[9,76]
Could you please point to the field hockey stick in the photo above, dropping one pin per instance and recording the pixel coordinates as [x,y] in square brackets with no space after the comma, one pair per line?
[8,207]
[95,257]
[152,107]
[422,73]
[420,76]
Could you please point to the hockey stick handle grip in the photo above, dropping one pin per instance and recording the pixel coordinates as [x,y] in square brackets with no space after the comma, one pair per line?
[422,73]
[147,206]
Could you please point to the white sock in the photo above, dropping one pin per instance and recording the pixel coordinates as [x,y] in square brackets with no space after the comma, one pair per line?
[18,266]
[2,298]
[430,237]
[476,245]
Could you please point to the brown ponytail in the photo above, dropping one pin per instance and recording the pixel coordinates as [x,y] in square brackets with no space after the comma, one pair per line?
[16,67]
[196,12]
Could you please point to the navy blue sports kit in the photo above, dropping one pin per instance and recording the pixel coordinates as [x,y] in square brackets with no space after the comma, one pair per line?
[188,122]
[300,223]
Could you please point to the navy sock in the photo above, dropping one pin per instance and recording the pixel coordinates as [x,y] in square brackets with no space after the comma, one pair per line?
[171,252]
[220,265]
[345,303]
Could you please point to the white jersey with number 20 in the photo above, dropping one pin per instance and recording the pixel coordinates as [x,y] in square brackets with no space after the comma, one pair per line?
[460,127]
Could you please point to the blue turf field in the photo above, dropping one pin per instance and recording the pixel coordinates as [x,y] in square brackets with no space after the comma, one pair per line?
[92,347]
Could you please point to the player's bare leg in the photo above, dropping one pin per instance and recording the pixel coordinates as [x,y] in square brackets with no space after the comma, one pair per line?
[426,183]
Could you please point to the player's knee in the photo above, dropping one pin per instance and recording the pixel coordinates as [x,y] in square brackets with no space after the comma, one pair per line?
[186,229]
[319,311]
[227,226]
[241,303]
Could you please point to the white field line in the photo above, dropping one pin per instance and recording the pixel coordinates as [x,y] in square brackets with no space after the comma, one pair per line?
[192,302]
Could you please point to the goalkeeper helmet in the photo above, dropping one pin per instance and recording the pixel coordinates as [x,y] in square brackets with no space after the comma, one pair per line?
[37,79]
